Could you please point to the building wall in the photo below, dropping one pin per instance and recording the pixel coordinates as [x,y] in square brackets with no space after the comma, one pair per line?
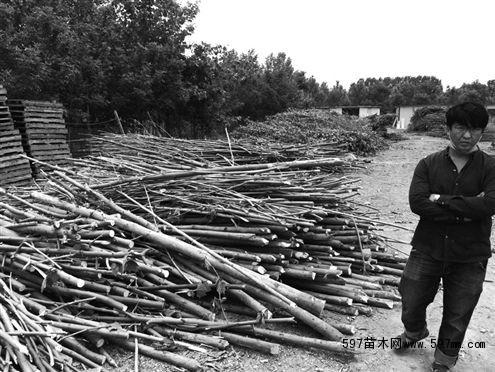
[491,113]
[338,110]
[368,111]
[405,114]
[490,128]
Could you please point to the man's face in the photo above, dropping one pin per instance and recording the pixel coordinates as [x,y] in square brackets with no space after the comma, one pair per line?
[464,138]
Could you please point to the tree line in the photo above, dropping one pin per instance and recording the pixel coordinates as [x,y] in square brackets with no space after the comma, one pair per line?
[96,56]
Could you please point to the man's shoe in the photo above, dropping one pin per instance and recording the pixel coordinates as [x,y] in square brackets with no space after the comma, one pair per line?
[437,367]
[405,343]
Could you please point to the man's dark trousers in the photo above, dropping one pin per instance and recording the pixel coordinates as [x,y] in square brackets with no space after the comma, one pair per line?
[462,287]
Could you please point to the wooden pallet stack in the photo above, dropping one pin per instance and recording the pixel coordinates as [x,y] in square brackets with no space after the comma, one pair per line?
[43,130]
[14,168]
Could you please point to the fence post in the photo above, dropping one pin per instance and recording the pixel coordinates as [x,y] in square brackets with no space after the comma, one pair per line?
[118,122]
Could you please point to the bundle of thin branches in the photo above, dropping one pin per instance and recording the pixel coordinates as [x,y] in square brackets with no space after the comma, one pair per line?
[130,252]
[183,154]
[312,127]
[60,250]
[65,251]
[231,197]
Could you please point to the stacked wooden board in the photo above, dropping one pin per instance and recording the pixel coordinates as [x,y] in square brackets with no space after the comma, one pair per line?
[14,168]
[43,130]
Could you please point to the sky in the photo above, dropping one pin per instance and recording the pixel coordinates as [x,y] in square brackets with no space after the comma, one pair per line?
[344,40]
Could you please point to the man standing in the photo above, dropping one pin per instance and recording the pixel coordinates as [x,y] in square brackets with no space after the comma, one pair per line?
[453,192]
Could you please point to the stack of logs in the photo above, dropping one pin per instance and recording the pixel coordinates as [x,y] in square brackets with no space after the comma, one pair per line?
[43,129]
[201,153]
[286,220]
[75,278]
[152,246]
[14,168]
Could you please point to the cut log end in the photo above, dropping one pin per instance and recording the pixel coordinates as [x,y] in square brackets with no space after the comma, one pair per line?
[275,350]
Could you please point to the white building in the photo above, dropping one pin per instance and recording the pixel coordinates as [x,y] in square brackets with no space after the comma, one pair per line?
[491,113]
[361,111]
[404,114]
[490,128]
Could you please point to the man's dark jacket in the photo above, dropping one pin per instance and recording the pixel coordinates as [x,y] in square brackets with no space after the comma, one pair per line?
[457,227]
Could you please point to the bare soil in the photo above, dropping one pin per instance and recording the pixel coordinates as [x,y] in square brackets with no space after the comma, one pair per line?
[385,185]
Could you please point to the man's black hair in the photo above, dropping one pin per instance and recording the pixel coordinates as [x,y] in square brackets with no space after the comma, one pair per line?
[470,114]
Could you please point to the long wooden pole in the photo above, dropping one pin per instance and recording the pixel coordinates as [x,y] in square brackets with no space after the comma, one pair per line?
[167,242]
[163,355]
[119,123]
[293,339]
[229,169]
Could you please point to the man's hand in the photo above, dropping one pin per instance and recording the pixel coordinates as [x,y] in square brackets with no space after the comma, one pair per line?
[434,197]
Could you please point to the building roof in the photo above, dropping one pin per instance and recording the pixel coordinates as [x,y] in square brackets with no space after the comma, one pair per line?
[414,106]
[351,107]
[490,107]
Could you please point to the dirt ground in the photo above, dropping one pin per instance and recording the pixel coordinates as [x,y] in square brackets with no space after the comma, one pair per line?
[385,185]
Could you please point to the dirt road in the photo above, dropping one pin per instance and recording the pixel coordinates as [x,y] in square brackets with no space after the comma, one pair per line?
[385,185]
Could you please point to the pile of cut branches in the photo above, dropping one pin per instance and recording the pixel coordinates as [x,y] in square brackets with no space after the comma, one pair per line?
[312,127]
[430,119]
[153,253]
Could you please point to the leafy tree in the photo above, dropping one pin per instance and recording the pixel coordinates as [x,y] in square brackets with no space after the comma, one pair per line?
[378,92]
[323,95]
[279,74]
[450,96]
[337,96]
[97,55]
[427,90]
[145,62]
[389,93]
[475,92]
[358,93]
[308,89]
